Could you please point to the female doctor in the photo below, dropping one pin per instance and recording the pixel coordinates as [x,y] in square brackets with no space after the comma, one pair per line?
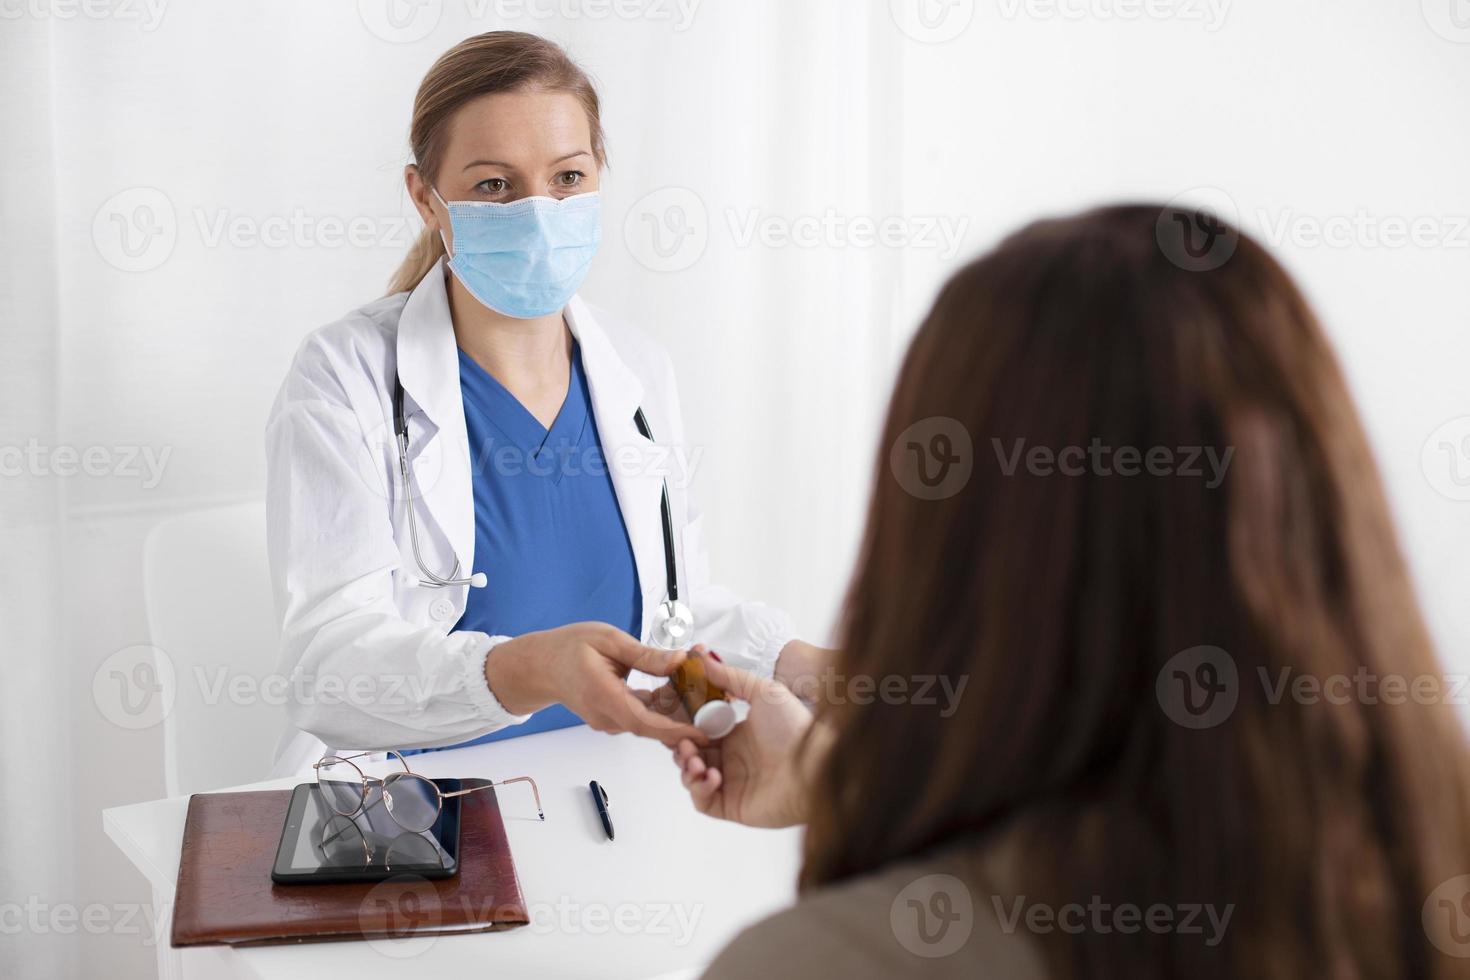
[472,529]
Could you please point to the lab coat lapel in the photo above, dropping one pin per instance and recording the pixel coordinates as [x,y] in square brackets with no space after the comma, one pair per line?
[428,365]
[616,395]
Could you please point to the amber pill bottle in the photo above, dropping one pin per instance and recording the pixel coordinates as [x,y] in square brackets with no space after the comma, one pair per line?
[707,704]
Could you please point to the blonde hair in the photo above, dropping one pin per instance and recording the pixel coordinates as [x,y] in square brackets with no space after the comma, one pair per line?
[497,61]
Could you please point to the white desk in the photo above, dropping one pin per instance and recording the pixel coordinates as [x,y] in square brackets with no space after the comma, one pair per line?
[660,900]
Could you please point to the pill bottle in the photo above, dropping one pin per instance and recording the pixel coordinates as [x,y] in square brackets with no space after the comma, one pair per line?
[708,705]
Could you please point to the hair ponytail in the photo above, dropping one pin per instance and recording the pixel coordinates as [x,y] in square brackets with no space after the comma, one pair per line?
[421,258]
[497,61]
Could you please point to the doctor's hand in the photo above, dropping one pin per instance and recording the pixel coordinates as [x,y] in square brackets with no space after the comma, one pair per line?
[585,667]
[754,775]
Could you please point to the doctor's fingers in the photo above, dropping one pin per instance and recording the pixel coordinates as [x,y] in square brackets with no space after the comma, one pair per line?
[628,652]
[623,711]
[663,699]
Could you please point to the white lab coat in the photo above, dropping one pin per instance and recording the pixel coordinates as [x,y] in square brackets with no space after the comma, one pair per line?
[370,656]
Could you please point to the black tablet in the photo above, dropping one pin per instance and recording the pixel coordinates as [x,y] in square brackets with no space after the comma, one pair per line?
[320,845]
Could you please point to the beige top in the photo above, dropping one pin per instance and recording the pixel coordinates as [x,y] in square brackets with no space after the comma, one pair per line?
[931,917]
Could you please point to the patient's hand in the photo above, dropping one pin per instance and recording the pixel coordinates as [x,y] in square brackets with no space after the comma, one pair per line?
[752,776]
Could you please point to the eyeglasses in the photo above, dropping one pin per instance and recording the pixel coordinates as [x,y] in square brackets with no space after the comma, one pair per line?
[345,843]
[413,801]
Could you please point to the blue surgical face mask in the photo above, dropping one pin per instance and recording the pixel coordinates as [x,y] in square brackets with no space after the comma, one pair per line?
[525,258]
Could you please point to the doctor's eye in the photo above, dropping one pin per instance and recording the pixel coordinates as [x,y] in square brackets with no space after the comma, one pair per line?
[493,186]
[568,179]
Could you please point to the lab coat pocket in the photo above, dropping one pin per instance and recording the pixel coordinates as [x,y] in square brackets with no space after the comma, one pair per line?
[696,558]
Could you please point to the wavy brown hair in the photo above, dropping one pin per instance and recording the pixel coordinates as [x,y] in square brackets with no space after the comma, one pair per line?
[1069,598]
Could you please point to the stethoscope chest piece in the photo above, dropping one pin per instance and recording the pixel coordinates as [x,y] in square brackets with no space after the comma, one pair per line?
[673,625]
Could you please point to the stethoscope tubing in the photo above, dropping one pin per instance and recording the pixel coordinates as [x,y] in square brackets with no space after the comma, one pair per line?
[432,579]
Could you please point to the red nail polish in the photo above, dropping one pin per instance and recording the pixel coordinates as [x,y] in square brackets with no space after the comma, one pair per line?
[716,657]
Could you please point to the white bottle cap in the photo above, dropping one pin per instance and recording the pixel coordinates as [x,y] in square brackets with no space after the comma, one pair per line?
[715,718]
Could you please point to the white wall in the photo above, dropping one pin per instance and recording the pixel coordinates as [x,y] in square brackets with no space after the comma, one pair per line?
[1328,116]
[756,109]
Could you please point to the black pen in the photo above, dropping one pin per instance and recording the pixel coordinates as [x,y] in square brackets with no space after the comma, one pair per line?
[599,800]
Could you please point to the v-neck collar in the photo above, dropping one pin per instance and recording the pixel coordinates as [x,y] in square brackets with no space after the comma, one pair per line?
[505,411]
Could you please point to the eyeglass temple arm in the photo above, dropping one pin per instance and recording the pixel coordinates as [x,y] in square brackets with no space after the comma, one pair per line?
[358,755]
[491,785]
[347,822]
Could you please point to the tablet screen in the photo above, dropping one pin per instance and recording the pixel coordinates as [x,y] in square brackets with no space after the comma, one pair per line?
[317,842]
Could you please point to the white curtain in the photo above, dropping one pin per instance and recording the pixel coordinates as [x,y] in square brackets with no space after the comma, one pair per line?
[36,860]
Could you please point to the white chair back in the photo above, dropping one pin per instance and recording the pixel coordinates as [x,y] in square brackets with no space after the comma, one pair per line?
[213,624]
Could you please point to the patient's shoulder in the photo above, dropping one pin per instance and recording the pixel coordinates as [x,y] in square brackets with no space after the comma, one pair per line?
[931,917]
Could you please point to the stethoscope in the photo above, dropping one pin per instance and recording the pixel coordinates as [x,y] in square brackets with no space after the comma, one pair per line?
[673,621]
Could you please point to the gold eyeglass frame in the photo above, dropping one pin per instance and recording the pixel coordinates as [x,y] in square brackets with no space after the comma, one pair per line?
[384,783]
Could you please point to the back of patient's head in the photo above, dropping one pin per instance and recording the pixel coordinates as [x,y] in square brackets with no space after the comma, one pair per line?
[1133,647]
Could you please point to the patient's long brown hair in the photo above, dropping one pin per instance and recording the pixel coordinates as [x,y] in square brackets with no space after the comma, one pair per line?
[1074,603]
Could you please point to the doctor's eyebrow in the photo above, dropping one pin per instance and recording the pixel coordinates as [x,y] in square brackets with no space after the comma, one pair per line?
[508,166]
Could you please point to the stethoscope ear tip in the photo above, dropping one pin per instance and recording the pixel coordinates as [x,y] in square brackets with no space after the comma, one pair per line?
[479,580]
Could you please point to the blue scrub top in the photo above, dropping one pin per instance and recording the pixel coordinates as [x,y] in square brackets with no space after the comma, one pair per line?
[549,534]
